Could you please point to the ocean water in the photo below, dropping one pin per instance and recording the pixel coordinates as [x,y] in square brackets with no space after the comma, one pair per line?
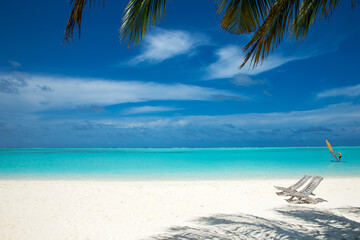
[177,163]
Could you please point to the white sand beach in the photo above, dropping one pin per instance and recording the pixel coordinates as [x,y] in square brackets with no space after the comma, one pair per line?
[241,209]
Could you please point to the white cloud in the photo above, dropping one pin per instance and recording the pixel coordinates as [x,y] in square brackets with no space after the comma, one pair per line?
[231,57]
[251,129]
[334,114]
[149,109]
[267,93]
[14,64]
[37,92]
[245,80]
[165,44]
[352,91]
[338,115]
[153,124]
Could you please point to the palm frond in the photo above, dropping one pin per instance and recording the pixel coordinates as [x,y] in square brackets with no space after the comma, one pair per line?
[243,16]
[75,17]
[310,11]
[270,33]
[294,16]
[354,2]
[139,16]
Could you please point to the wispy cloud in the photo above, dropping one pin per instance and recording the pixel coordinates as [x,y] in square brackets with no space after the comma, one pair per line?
[223,97]
[251,129]
[165,44]
[245,80]
[352,91]
[12,84]
[231,57]
[332,114]
[153,124]
[313,130]
[149,109]
[14,64]
[304,121]
[267,93]
[38,92]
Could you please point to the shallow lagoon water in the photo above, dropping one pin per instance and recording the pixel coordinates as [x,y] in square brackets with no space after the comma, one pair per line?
[177,163]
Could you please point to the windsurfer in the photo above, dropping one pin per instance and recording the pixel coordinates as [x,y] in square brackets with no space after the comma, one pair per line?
[339,154]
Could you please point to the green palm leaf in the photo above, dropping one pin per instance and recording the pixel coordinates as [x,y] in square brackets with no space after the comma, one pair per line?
[309,12]
[75,17]
[294,16]
[139,16]
[270,33]
[243,16]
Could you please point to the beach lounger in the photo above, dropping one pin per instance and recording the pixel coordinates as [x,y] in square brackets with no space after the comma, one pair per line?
[303,195]
[293,188]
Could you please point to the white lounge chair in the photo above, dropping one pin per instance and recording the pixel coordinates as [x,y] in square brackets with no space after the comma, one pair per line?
[293,187]
[303,195]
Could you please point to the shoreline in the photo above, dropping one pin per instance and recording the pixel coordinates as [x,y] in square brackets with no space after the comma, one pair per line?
[129,180]
[80,209]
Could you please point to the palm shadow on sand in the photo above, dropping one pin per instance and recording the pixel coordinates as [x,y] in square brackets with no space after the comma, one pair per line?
[312,224]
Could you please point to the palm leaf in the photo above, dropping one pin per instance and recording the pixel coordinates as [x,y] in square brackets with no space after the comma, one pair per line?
[139,16]
[270,33]
[295,16]
[75,17]
[309,12]
[243,16]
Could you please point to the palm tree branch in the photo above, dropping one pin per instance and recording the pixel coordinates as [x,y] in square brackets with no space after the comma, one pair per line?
[270,33]
[295,16]
[243,16]
[75,17]
[310,11]
[139,16]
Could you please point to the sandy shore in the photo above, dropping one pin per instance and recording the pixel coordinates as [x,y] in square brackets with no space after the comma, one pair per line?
[81,209]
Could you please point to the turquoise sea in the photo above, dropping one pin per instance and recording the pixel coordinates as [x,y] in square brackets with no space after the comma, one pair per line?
[176,163]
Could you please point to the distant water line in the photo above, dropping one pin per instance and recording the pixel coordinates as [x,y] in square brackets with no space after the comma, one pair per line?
[176,163]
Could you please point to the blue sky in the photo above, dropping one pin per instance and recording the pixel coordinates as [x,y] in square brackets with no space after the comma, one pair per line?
[180,88]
